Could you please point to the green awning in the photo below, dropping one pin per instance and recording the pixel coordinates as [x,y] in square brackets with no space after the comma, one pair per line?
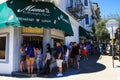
[7,17]
[40,14]
[85,33]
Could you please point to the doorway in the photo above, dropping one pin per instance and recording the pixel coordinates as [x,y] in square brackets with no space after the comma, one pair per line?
[36,40]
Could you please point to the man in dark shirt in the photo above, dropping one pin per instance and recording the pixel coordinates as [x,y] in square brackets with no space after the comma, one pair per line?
[59,58]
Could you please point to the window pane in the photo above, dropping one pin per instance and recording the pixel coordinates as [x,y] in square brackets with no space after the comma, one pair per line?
[86,2]
[87,19]
[2,47]
[71,3]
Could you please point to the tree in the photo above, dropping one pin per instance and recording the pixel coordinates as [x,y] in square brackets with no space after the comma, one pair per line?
[101,31]
[118,19]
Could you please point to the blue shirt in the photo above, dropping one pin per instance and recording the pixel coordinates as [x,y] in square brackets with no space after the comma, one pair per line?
[59,51]
[30,51]
[88,46]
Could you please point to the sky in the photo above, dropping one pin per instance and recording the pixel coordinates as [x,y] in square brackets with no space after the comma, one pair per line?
[108,7]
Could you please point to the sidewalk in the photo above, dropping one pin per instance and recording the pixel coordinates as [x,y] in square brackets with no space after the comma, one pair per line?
[117,69]
[95,68]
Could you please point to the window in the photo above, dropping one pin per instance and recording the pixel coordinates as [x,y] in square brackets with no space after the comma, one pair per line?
[71,3]
[3,47]
[86,2]
[87,19]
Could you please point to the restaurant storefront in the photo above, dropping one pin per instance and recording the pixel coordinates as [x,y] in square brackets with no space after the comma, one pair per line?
[36,35]
[41,22]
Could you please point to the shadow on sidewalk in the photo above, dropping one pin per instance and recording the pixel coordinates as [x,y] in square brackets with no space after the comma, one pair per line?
[87,66]
[91,65]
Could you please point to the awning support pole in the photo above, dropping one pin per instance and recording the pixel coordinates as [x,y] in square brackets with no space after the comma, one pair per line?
[46,39]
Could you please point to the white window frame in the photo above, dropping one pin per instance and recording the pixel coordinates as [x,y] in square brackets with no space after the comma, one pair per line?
[6,48]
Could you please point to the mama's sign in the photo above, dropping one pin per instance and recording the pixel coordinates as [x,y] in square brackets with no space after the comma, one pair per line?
[31,9]
[39,14]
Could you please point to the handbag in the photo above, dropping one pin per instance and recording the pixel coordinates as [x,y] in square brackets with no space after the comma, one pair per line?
[28,56]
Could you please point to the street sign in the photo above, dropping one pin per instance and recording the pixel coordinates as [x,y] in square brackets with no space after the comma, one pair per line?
[112,36]
[112,25]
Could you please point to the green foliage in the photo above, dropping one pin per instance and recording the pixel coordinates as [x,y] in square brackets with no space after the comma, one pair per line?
[101,31]
[118,19]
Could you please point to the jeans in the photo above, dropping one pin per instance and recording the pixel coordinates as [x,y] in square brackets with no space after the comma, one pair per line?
[39,63]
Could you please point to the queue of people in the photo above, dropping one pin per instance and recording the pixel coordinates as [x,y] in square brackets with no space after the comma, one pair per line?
[68,54]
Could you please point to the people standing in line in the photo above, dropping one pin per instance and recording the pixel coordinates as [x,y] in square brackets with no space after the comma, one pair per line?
[103,48]
[66,56]
[38,55]
[70,46]
[46,69]
[96,48]
[72,55]
[22,58]
[100,48]
[88,48]
[30,57]
[77,55]
[92,48]
[59,58]
[84,51]
[70,49]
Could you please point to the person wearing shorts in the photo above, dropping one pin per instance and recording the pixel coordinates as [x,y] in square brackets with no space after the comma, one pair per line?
[22,59]
[31,59]
[77,55]
[59,58]
[66,56]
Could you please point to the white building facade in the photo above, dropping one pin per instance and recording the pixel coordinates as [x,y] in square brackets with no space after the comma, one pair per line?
[9,37]
[12,37]
[63,4]
[85,11]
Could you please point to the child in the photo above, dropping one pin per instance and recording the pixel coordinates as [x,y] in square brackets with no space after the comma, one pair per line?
[84,51]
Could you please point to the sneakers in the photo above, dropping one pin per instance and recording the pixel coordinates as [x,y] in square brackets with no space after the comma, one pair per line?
[59,75]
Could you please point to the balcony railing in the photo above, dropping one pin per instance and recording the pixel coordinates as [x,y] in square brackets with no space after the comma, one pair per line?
[78,8]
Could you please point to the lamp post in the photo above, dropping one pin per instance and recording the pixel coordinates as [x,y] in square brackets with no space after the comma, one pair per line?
[118,34]
[112,25]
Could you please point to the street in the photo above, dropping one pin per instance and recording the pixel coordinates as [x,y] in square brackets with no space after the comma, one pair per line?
[95,68]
